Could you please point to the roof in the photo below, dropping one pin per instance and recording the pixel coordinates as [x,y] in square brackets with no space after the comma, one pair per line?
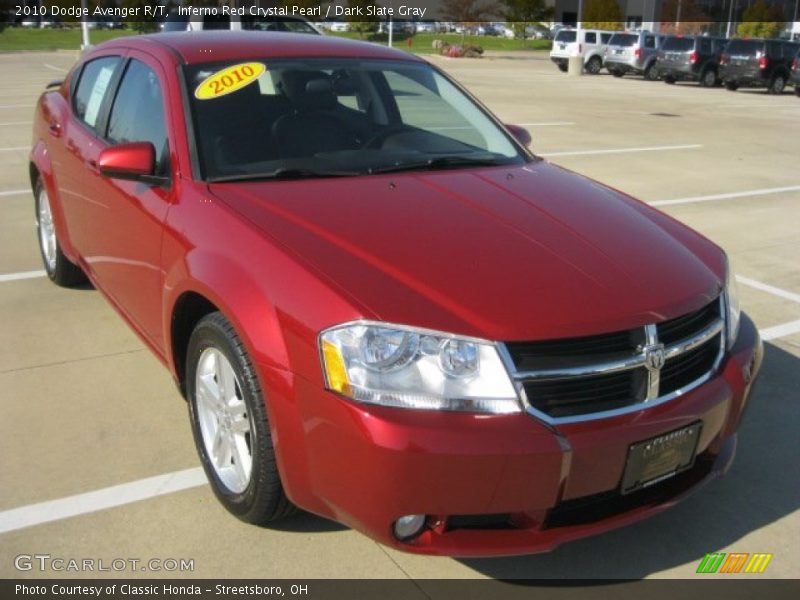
[207,46]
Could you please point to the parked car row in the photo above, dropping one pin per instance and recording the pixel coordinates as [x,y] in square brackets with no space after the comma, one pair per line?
[709,61]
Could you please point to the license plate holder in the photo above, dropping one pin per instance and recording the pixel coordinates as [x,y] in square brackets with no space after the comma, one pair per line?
[661,457]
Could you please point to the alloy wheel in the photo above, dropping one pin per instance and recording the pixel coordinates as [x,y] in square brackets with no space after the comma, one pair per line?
[47,231]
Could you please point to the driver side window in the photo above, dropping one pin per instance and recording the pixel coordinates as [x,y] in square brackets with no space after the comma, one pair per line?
[138,113]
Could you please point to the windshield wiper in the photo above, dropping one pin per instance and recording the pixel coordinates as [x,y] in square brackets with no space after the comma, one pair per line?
[283,173]
[438,162]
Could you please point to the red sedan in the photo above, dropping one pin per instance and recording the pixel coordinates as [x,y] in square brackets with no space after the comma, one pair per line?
[379,305]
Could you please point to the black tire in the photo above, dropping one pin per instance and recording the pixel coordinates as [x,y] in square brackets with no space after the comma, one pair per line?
[669,79]
[731,86]
[263,500]
[708,78]
[777,84]
[617,72]
[562,67]
[797,90]
[60,271]
[594,65]
[651,72]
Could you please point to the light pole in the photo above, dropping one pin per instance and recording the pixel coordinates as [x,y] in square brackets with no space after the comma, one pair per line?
[84,27]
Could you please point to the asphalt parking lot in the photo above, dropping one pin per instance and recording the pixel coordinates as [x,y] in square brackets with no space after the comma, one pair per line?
[92,425]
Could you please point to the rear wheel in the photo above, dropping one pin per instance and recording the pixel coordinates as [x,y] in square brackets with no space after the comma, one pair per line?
[731,86]
[797,90]
[777,84]
[617,72]
[668,79]
[562,67]
[57,266]
[651,72]
[594,65]
[230,424]
[708,78]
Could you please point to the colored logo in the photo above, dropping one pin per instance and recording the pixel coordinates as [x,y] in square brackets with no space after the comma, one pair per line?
[734,562]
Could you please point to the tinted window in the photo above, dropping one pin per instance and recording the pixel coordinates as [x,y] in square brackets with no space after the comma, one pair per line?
[604,37]
[138,112]
[743,47]
[92,88]
[649,41]
[704,46]
[678,44]
[590,38]
[176,22]
[623,39]
[216,22]
[565,36]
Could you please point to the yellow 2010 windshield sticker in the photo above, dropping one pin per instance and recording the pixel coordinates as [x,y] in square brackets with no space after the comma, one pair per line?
[229,80]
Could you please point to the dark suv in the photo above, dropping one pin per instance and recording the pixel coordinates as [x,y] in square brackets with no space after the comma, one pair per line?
[794,77]
[688,58]
[757,63]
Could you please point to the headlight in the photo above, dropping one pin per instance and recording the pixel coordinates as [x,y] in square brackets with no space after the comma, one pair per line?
[394,365]
[732,309]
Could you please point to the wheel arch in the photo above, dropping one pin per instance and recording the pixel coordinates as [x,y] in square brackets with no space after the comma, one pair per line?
[187,311]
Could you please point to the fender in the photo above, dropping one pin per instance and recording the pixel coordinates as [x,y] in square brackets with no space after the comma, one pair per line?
[203,272]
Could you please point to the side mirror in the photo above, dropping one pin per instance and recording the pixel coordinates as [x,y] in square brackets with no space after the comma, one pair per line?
[135,161]
[521,134]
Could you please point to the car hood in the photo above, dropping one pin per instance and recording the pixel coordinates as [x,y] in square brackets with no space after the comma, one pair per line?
[505,253]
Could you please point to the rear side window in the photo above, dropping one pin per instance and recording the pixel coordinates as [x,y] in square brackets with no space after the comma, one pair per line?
[649,41]
[138,112]
[704,46]
[92,88]
[590,37]
[605,37]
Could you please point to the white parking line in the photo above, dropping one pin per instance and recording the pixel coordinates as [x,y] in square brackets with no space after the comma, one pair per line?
[54,68]
[728,196]
[770,289]
[7,123]
[621,150]
[16,105]
[771,333]
[81,504]
[14,149]
[14,192]
[22,275]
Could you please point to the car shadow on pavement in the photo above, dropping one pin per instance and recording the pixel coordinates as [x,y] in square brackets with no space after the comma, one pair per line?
[305,522]
[760,488]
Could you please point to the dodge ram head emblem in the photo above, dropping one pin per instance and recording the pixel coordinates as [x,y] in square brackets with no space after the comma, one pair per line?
[654,357]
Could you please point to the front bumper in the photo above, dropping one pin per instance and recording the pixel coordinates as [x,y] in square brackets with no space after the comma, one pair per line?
[492,484]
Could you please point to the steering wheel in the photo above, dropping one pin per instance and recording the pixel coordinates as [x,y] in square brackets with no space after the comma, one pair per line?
[375,141]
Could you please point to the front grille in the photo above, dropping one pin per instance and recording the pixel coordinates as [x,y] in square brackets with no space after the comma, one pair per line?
[574,377]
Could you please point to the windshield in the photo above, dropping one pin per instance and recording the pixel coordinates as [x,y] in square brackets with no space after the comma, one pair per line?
[743,47]
[565,36]
[292,118]
[681,44]
[623,39]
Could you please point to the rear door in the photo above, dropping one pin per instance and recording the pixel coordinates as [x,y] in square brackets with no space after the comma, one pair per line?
[128,216]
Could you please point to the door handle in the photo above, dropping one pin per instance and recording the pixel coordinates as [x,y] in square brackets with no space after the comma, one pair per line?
[92,164]
[55,129]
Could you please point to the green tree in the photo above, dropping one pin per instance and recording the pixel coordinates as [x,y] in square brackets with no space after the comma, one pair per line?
[602,14]
[521,14]
[142,24]
[760,20]
[357,23]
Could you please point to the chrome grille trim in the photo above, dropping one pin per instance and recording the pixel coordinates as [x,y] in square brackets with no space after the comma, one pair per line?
[639,359]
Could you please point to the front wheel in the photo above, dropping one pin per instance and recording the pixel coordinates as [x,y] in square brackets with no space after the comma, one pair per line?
[57,266]
[617,72]
[668,79]
[594,65]
[731,86]
[651,72]
[797,90]
[230,424]
[562,67]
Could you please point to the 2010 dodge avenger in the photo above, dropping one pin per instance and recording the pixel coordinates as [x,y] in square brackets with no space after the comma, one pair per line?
[379,305]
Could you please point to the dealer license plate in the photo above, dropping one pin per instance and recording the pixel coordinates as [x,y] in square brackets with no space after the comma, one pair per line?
[661,457]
